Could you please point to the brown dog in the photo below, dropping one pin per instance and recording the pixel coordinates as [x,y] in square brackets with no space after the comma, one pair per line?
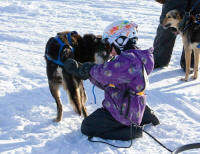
[82,49]
[190,37]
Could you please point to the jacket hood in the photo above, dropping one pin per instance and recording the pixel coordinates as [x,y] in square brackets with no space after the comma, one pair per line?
[146,57]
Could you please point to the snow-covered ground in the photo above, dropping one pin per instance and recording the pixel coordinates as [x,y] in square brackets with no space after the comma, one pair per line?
[27,108]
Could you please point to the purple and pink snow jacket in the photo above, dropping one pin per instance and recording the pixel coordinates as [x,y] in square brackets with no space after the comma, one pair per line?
[126,73]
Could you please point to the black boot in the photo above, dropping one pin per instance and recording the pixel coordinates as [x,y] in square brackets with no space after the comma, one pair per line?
[154,119]
[136,131]
[149,117]
[182,62]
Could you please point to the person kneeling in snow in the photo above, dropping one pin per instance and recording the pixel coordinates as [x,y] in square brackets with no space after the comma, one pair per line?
[123,80]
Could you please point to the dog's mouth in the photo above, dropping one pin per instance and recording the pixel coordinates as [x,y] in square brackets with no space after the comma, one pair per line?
[174,31]
[166,26]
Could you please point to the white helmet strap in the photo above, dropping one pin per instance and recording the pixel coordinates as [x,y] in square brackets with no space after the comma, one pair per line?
[120,42]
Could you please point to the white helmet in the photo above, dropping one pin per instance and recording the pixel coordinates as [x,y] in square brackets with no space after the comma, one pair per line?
[120,32]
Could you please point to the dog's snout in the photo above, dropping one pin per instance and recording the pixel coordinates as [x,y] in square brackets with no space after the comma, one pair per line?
[167,25]
[103,54]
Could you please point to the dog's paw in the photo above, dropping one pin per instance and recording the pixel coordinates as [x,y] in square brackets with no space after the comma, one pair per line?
[56,120]
[194,77]
[184,79]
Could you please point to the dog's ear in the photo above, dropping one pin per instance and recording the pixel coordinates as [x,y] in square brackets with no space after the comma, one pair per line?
[88,40]
[161,1]
[98,38]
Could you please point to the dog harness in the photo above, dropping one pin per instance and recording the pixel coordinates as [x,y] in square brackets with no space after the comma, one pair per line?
[196,18]
[62,44]
[188,14]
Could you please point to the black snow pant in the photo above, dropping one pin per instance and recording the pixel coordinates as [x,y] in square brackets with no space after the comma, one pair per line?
[163,46]
[165,39]
[101,124]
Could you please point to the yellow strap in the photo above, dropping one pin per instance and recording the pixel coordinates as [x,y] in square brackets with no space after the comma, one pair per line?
[139,93]
[111,85]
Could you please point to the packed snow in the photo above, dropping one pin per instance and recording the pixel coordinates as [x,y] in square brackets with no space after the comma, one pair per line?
[27,108]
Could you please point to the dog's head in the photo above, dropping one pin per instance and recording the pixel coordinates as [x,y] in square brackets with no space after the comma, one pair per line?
[89,48]
[102,52]
[92,48]
[172,19]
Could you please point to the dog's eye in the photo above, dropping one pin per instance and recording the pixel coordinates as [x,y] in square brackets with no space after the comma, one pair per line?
[168,17]
[174,17]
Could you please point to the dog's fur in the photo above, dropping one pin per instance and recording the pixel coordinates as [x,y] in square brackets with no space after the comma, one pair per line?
[190,38]
[86,48]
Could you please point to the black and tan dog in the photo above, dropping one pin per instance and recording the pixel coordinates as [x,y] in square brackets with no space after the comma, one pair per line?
[190,37]
[82,49]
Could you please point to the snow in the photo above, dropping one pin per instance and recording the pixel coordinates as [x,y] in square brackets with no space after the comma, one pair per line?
[27,108]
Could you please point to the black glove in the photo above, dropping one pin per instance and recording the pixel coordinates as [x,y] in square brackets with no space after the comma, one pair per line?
[79,70]
[71,66]
[84,70]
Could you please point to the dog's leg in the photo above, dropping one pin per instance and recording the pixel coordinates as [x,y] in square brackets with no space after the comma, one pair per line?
[71,85]
[83,99]
[54,89]
[188,53]
[196,62]
[55,80]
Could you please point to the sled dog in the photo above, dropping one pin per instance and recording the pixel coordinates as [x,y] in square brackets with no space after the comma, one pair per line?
[82,48]
[190,37]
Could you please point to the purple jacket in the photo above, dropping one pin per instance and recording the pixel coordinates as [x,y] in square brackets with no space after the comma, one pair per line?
[126,73]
